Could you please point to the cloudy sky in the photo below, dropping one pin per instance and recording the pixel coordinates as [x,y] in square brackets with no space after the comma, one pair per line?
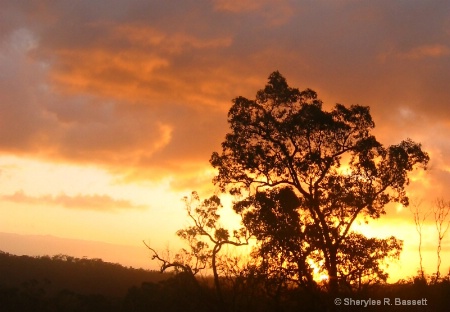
[110,110]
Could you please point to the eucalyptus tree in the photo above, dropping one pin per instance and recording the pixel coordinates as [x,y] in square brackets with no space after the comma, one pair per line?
[283,143]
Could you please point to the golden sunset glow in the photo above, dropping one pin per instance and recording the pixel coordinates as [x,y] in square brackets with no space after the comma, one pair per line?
[109,112]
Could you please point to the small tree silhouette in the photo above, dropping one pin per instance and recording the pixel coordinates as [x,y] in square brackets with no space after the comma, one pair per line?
[441,211]
[362,258]
[419,219]
[203,231]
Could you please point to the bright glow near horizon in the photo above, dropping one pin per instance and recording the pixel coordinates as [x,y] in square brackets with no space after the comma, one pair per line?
[127,215]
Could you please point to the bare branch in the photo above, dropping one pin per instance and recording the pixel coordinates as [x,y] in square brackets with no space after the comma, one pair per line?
[441,211]
[166,264]
[419,220]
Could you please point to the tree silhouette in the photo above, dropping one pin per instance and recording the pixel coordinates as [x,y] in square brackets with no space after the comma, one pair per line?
[361,260]
[336,168]
[441,211]
[419,220]
[272,217]
[203,231]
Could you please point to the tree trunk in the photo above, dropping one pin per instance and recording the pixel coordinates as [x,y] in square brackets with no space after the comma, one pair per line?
[333,283]
[216,275]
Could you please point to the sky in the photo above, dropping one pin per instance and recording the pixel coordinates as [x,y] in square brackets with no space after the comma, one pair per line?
[110,111]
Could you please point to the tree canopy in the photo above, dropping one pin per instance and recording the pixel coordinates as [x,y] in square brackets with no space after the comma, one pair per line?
[304,175]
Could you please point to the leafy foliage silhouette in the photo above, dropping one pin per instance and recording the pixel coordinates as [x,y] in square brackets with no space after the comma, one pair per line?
[305,175]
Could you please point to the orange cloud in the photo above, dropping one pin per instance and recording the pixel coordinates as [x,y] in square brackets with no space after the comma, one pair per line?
[80,202]
[417,53]
[179,42]
[107,73]
[138,63]
[275,12]
[240,6]
[435,50]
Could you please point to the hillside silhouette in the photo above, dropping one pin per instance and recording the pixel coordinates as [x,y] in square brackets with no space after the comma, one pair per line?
[65,283]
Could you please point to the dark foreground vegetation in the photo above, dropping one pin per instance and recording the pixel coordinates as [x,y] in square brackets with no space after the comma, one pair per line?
[64,283]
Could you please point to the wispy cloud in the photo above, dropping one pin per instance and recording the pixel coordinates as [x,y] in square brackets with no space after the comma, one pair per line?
[80,201]
[273,13]
[434,50]
[417,53]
